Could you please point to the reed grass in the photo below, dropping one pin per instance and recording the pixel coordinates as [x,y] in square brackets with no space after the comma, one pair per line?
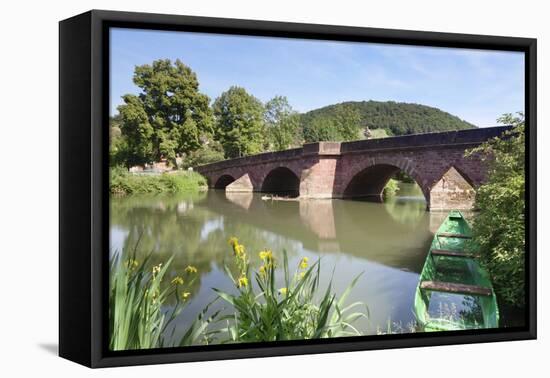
[138,312]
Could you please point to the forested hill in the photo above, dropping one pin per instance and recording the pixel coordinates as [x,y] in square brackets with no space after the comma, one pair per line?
[396,118]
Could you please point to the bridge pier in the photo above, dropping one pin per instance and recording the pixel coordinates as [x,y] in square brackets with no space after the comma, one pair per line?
[240,185]
[319,173]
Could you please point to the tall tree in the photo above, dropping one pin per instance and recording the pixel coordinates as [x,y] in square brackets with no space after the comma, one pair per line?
[239,120]
[283,124]
[344,124]
[348,121]
[320,129]
[117,142]
[169,117]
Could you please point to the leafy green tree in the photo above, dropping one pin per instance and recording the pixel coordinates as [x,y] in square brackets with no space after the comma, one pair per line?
[239,120]
[343,124]
[283,124]
[169,116]
[117,142]
[499,226]
[320,129]
[210,153]
[137,131]
[348,121]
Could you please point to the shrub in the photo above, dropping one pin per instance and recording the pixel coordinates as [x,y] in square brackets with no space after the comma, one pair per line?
[499,226]
[124,182]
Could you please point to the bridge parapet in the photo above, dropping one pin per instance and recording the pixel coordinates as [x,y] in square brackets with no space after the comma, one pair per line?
[439,139]
[262,158]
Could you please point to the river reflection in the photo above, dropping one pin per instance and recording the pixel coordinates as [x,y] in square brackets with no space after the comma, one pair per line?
[387,242]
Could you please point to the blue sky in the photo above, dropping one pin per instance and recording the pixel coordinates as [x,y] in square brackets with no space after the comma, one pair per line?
[475,85]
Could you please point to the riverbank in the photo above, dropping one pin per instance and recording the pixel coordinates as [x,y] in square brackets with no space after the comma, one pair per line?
[123,182]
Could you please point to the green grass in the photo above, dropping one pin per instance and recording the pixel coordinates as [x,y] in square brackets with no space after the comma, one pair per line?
[123,182]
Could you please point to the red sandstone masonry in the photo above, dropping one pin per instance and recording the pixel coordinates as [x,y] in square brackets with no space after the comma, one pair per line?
[325,170]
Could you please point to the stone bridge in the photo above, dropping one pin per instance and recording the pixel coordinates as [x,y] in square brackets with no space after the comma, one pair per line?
[361,169]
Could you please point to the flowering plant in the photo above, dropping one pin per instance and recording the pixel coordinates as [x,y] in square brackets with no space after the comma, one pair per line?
[265,311]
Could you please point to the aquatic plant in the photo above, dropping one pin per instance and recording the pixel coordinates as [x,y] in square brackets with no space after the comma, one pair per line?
[138,296]
[264,311]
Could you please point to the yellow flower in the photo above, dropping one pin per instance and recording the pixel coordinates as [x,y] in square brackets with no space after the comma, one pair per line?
[239,250]
[177,281]
[302,274]
[266,255]
[156,269]
[233,241]
[243,281]
[263,270]
[303,263]
[283,291]
[191,269]
[185,295]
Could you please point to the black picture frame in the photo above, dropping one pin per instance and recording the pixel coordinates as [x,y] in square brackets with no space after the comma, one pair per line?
[83,182]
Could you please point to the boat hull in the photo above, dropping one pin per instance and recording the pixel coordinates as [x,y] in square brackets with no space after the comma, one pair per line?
[454,292]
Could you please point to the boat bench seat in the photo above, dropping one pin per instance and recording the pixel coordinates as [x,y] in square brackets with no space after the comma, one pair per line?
[450,287]
[450,253]
[451,235]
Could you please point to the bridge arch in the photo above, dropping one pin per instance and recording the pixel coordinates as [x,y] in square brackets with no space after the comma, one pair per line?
[455,190]
[281,181]
[223,181]
[370,181]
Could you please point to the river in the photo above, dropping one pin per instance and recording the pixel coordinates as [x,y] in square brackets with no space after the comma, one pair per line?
[384,242]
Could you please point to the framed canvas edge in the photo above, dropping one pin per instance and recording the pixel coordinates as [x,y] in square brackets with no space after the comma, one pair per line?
[265,350]
[98,201]
[75,267]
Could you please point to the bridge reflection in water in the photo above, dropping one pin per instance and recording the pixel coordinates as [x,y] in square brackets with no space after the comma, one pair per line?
[388,242]
[379,231]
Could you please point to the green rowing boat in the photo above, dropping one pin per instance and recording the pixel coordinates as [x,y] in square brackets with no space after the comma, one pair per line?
[454,292]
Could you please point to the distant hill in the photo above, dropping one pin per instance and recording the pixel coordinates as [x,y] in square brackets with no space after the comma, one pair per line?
[396,118]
